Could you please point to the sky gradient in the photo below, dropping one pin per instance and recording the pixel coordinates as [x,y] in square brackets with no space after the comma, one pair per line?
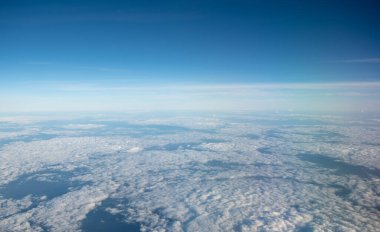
[189,55]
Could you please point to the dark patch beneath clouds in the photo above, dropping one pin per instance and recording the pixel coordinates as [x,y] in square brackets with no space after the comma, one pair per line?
[340,168]
[27,138]
[252,136]
[265,150]
[49,183]
[100,219]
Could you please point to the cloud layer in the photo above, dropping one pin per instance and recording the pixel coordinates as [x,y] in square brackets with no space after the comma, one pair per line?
[186,173]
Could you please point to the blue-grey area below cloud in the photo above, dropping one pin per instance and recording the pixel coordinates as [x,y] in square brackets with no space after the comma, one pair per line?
[101,220]
[49,183]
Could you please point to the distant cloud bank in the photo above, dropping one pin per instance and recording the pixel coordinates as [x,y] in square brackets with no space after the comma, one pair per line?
[122,96]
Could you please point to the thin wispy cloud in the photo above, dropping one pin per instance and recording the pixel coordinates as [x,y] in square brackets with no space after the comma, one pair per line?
[87,17]
[216,87]
[74,66]
[360,61]
[37,62]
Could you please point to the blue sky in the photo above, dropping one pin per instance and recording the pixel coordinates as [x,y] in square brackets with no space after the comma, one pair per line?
[47,46]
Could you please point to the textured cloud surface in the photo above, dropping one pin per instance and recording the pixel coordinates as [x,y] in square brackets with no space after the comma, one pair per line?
[237,172]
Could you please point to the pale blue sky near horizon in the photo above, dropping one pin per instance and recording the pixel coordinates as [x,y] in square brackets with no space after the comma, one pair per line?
[189,55]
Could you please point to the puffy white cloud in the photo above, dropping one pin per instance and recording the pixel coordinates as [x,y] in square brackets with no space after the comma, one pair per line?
[22,157]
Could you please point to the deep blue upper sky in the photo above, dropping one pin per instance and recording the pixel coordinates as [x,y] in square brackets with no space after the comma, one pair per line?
[190,41]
